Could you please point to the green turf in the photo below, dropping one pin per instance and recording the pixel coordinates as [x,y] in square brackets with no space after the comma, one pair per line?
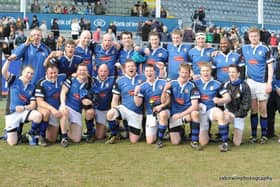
[123,164]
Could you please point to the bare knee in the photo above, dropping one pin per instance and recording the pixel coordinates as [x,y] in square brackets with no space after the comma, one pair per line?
[12,138]
[175,138]
[89,114]
[36,116]
[175,142]
[203,137]
[111,114]
[163,117]
[150,140]
[237,142]
[76,139]
[133,138]
[45,114]
[99,136]
[133,141]
[195,116]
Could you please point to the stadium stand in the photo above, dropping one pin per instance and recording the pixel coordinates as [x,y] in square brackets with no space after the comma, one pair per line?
[226,10]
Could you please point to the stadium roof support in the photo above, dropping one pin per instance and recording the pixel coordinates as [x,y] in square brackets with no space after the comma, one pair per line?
[260,12]
[23,7]
[158,7]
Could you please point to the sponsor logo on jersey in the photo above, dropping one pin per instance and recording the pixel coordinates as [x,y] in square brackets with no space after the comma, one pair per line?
[204,97]
[76,96]
[102,94]
[179,58]
[155,98]
[131,92]
[105,58]
[200,63]
[253,61]
[180,101]
[224,69]
[56,95]
[22,97]
[151,61]
[86,61]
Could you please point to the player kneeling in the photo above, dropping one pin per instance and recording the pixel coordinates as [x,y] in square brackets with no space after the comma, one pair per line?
[183,96]
[209,89]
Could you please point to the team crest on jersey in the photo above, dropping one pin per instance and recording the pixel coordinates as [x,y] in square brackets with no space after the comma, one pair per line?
[211,87]
[160,54]
[233,59]
[185,50]
[107,85]
[260,52]
[43,54]
[49,88]
[186,91]
[160,87]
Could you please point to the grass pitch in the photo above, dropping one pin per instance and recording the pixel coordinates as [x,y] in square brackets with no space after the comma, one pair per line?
[124,164]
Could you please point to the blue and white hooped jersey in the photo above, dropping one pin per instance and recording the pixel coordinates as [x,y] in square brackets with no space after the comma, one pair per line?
[50,91]
[256,60]
[221,62]
[103,92]
[19,94]
[124,87]
[182,95]
[196,56]
[209,90]
[151,93]
[176,56]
